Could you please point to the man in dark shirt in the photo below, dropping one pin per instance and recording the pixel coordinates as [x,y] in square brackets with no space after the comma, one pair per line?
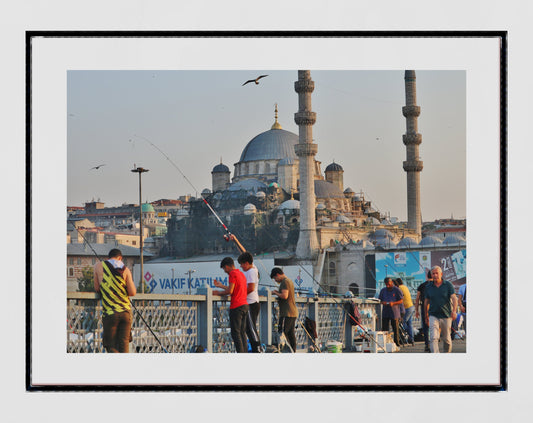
[287,306]
[419,309]
[391,298]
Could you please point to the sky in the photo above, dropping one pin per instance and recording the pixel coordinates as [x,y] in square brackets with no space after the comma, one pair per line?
[198,118]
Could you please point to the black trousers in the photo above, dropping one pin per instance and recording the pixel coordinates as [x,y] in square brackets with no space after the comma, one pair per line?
[394,322]
[286,325]
[237,322]
[251,327]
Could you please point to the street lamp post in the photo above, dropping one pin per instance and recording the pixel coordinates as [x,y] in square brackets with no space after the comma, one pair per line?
[140,171]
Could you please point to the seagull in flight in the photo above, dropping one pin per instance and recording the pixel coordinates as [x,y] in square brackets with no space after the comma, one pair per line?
[97,167]
[256,80]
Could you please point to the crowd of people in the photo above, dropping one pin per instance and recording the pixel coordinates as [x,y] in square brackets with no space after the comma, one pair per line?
[436,305]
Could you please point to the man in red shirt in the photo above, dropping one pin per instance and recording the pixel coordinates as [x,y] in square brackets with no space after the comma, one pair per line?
[238,309]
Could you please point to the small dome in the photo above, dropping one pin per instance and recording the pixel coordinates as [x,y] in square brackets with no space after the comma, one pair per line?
[334,167]
[147,208]
[382,233]
[321,206]
[357,198]
[407,242]
[220,168]
[373,221]
[430,241]
[290,205]
[348,191]
[343,219]
[206,191]
[249,209]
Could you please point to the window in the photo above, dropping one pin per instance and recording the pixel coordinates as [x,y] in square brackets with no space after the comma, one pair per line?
[93,261]
[354,288]
[71,271]
[71,260]
[133,242]
[79,260]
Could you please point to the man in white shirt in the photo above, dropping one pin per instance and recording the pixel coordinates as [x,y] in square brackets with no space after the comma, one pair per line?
[246,261]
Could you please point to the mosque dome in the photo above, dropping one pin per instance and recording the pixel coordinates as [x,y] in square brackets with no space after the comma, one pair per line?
[343,219]
[321,206]
[407,242]
[429,241]
[147,208]
[348,191]
[325,189]
[275,144]
[385,243]
[290,205]
[334,167]
[249,209]
[220,168]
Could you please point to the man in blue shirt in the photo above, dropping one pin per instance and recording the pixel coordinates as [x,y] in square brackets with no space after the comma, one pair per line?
[440,297]
[391,298]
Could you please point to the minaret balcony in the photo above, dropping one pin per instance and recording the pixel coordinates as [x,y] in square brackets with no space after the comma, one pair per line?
[412,139]
[304,86]
[307,149]
[413,165]
[411,111]
[305,118]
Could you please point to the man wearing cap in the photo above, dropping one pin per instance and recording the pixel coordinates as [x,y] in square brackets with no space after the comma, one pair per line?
[238,309]
[113,280]
[288,312]
[440,304]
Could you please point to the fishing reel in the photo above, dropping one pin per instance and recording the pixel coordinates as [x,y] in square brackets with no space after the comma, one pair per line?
[227,237]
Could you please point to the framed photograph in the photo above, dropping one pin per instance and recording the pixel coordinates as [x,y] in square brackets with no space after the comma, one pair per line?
[179,103]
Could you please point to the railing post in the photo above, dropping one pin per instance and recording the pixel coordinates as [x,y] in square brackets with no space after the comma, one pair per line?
[313,308]
[205,319]
[265,317]
[348,328]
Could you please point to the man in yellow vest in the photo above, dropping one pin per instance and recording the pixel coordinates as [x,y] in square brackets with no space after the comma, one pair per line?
[113,280]
[409,310]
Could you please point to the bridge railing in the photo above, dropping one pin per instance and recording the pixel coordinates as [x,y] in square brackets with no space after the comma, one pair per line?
[182,323]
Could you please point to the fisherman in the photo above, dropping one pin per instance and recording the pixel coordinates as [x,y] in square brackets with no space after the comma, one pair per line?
[238,309]
[439,295]
[288,312]
[246,261]
[113,280]
[391,298]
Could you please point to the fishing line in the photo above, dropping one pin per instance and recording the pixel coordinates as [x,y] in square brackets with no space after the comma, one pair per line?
[187,179]
[131,301]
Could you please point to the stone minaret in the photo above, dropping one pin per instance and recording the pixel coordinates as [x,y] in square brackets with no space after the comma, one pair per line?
[413,165]
[307,246]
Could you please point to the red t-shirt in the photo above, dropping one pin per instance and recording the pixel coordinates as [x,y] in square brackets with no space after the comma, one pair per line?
[238,298]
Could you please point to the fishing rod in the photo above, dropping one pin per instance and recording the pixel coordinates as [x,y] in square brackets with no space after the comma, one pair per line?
[131,301]
[228,233]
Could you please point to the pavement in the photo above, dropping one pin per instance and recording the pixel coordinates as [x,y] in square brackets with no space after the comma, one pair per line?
[458,346]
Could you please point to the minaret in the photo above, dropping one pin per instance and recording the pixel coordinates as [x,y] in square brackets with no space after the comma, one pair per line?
[307,246]
[413,165]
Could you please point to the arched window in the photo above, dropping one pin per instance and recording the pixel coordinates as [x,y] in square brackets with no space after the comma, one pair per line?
[71,271]
[354,288]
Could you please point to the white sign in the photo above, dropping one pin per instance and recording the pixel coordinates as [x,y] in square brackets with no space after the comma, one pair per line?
[173,278]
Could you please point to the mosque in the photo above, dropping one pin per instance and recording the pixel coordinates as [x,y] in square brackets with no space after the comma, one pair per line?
[278,198]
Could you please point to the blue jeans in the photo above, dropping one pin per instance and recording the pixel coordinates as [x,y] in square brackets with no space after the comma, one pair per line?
[408,321]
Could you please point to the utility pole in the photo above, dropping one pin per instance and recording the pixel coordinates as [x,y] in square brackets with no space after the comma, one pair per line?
[140,171]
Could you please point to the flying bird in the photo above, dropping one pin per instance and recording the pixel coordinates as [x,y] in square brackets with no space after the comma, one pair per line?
[97,167]
[256,80]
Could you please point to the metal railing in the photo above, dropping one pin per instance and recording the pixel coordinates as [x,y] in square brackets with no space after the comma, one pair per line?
[183,323]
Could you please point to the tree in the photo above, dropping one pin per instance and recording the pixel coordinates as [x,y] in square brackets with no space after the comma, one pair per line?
[86,280]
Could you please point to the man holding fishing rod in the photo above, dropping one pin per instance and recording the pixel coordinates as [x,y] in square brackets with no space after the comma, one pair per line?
[113,280]
[238,309]
[251,273]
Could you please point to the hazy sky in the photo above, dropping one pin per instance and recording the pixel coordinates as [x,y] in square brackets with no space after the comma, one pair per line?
[198,117]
